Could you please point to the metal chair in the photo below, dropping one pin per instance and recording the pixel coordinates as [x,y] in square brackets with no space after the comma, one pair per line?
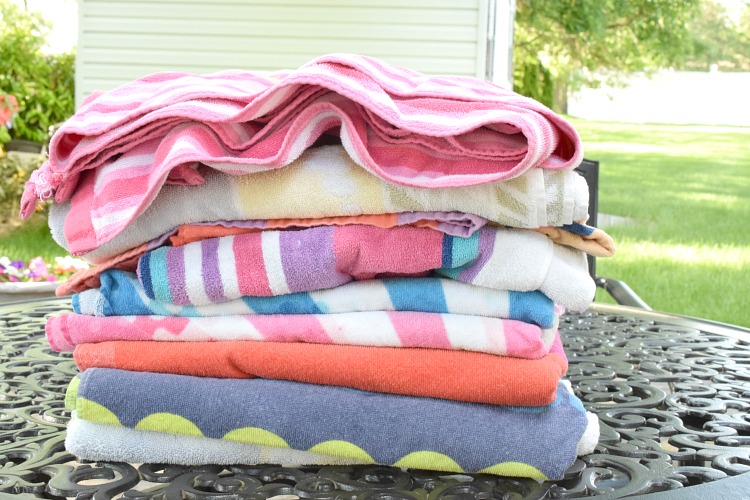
[618,290]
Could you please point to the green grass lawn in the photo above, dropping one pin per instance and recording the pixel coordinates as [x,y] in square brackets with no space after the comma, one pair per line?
[687,189]
[29,239]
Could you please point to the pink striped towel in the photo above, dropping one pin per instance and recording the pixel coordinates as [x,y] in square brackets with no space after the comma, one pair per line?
[405,127]
[504,337]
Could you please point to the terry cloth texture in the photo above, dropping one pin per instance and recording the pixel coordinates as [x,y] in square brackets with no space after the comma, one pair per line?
[453,223]
[282,262]
[405,127]
[589,239]
[373,328]
[114,443]
[540,442]
[121,294]
[438,373]
[595,242]
[323,182]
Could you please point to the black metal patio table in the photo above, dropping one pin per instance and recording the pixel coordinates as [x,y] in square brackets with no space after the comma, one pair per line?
[672,395]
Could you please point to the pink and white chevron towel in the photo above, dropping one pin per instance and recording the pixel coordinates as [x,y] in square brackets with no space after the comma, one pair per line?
[504,337]
[405,127]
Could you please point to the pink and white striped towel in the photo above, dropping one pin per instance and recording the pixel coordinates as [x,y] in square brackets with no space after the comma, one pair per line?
[503,337]
[405,127]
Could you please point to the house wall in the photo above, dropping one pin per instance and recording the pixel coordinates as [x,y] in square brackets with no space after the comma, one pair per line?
[120,40]
[680,97]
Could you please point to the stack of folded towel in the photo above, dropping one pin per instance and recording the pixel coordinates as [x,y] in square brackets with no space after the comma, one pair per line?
[346,263]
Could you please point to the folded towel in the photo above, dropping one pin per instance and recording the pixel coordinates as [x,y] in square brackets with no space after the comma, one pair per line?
[113,443]
[282,262]
[592,240]
[540,442]
[121,294]
[86,279]
[439,373]
[503,337]
[578,236]
[403,126]
[323,182]
[589,239]
[453,223]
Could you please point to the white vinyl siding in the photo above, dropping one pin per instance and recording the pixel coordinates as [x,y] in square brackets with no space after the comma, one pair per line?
[120,40]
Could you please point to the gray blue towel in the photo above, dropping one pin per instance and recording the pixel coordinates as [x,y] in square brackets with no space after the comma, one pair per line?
[540,442]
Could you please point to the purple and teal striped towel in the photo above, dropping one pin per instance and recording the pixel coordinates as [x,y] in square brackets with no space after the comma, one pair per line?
[281,262]
[539,442]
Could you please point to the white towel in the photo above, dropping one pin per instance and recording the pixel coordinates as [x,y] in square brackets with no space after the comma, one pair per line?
[93,441]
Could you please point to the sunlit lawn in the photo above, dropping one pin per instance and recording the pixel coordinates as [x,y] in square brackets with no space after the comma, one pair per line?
[687,188]
[28,240]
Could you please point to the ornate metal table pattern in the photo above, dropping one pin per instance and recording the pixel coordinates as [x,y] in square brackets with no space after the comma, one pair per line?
[672,394]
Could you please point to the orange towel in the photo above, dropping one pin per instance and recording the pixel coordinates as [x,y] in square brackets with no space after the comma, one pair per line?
[462,376]
[189,233]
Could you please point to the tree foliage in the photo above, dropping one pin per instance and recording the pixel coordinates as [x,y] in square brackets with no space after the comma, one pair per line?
[577,42]
[720,38]
[41,83]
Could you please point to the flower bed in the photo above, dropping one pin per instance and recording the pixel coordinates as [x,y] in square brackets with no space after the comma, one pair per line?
[37,276]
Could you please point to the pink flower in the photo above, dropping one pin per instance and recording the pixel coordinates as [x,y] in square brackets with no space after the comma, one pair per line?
[38,268]
[8,108]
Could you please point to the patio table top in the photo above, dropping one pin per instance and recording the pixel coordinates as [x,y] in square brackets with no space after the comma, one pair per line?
[672,395]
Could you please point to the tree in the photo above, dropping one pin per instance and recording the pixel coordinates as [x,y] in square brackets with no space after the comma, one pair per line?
[720,39]
[561,45]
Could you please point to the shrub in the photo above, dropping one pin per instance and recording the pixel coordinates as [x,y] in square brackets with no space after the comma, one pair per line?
[41,83]
[8,110]
[14,172]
